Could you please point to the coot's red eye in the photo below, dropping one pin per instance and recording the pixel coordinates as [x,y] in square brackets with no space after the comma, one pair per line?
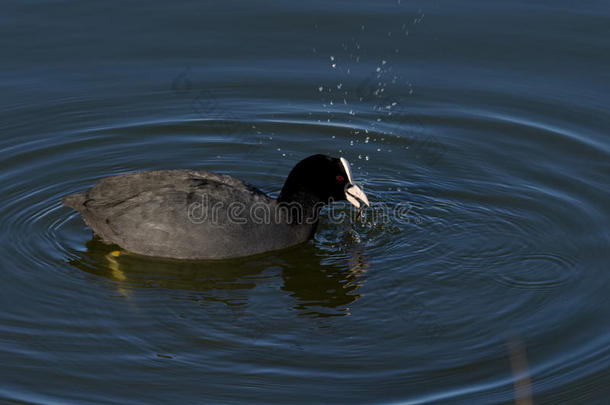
[339,178]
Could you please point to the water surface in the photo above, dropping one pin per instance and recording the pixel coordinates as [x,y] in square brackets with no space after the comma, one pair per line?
[484,122]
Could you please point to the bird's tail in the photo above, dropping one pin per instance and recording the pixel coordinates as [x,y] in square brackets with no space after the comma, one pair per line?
[74,201]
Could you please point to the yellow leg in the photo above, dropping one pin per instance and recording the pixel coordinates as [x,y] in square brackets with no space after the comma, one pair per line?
[117,274]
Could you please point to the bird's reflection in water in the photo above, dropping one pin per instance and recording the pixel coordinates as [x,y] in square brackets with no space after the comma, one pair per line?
[321,285]
[324,286]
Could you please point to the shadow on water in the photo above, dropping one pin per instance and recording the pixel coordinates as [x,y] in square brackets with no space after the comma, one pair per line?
[320,287]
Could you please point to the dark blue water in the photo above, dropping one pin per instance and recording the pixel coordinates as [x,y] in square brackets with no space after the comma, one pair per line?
[485,122]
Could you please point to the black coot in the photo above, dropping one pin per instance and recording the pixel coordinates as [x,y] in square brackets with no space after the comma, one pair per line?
[192,214]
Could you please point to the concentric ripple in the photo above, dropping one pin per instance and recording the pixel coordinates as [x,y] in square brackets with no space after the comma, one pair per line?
[465,244]
[479,131]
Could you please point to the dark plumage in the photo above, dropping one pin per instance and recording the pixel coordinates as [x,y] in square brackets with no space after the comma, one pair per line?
[192,214]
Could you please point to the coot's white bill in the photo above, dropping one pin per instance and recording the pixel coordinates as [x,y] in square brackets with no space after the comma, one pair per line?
[353,193]
[347,169]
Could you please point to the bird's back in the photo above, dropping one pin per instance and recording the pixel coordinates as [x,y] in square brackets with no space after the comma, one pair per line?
[185,214]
